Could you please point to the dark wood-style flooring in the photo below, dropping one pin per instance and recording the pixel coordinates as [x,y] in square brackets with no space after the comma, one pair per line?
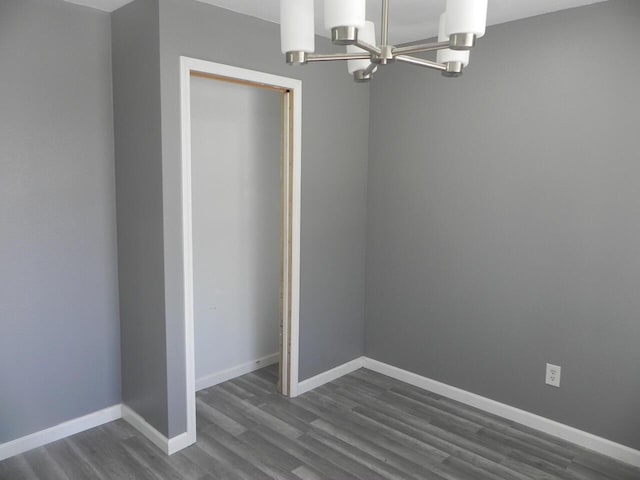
[363,426]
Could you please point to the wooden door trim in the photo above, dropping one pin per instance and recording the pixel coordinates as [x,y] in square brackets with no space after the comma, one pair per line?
[291,90]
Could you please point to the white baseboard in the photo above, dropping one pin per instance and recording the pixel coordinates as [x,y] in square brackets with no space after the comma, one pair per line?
[168,445]
[180,442]
[330,375]
[233,372]
[145,428]
[551,427]
[57,432]
[542,424]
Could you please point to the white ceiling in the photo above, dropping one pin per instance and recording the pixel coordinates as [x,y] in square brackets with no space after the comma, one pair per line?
[104,5]
[410,19]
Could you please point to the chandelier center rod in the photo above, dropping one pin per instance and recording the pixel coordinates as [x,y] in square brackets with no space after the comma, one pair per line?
[384,28]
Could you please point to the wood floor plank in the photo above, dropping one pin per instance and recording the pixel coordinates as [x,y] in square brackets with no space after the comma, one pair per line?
[354,382]
[325,402]
[432,436]
[248,386]
[153,459]
[228,408]
[342,458]
[356,428]
[451,406]
[216,417]
[237,390]
[306,473]
[16,468]
[257,383]
[416,426]
[363,426]
[44,466]
[269,374]
[337,393]
[302,453]
[587,473]
[269,465]
[285,415]
[438,410]
[491,470]
[108,456]
[256,379]
[255,415]
[388,466]
[608,466]
[411,460]
[187,467]
[516,444]
[232,462]
[283,403]
[120,429]
[209,464]
[284,460]
[73,464]
[273,369]
[530,470]
[548,468]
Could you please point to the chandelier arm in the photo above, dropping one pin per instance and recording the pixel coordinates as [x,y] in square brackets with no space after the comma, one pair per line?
[422,63]
[368,47]
[313,57]
[425,47]
[369,70]
[384,28]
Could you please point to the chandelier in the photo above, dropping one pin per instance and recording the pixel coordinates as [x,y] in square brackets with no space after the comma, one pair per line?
[461,24]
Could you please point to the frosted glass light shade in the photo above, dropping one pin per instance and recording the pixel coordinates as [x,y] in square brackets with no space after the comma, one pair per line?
[344,13]
[367,35]
[448,55]
[467,16]
[297,31]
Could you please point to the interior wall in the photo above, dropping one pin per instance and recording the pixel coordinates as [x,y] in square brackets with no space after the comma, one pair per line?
[235,155]
[503,219]
[59,332]
[334,182]
[136,85]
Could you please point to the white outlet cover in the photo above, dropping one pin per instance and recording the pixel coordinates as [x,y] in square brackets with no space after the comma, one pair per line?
[553,375]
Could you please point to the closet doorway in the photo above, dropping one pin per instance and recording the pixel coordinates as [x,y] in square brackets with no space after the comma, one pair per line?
[241,156]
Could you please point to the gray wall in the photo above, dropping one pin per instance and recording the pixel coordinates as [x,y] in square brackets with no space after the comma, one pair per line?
[503,219]
[235,166]
[136,84]
[334,177]
[59,332]
[482,241]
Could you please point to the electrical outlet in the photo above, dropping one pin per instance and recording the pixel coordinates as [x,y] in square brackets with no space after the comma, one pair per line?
[553,375]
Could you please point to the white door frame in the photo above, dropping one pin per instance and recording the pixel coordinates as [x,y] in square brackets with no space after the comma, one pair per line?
[291,175]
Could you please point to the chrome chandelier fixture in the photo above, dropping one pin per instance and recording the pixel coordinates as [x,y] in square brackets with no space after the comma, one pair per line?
[463,22]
